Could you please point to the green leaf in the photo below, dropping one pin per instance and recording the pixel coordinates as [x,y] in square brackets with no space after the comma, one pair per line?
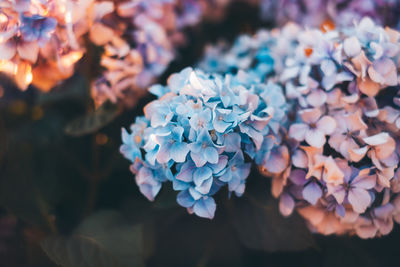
[121,239]
[259,225]
[75,88]
[77,251]
[94,121]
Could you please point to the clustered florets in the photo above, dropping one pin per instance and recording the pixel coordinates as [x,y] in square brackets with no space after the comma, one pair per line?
[41,40]
[342,175]
[202,134]
[336,160]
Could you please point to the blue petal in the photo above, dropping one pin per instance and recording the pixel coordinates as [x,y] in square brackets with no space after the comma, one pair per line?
[201,174]
[163,155]
[186,172]
[195,194]
[211,155]
[179,185]
[220,125]
[185,199]
[232,142]
[205,208]
[198,159]
[178,152]
[205,187]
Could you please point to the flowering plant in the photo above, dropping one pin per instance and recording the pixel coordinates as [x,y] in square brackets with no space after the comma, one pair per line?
[201,134]
[342,174]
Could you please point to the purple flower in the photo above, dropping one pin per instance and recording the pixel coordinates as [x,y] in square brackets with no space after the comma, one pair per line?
[354,189]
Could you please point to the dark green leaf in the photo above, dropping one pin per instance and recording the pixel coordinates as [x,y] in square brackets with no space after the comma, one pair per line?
[77,251]
[121,239]
[94,121]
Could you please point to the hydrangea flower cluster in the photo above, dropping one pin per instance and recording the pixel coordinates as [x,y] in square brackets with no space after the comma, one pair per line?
[139,38]
[38,42]
[201,134]
[330,12]
[340,158]
[41,40]
[250,53]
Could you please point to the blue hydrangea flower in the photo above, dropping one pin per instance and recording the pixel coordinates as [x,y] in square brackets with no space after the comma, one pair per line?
[37,28]
[201,134]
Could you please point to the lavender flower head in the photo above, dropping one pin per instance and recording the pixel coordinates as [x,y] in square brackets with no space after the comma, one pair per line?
[339,160]
[140,51]
[201,134]
[325,12]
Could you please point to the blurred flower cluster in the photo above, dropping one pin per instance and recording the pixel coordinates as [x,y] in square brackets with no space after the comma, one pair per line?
[337,163]
[330,12]
[41,40]
[342,174]
[202,134]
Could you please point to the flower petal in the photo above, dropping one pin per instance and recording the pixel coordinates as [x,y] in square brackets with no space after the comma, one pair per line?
[211,155]
[315,138]
[201,174]
[178,152]
[359,199]
[205,207]
[28,51]
[351,46]
[286,204]
[326,124]
[298,131]
[312,192]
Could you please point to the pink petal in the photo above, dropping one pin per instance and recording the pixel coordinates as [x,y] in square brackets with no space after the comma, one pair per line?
[360,63]
[384,211]
[332,173]
[356,154]
[364,181]
[368,87]
[352,46]
[377,139]
[337,191]
[299,159]
[385,150]
[28,51]
[8,50]
[354,122]
[286,204]
[277,185]
[383,71]
[310,115]
[298,131]
[100,34]
[312,214]
[368,231]
[278,160]
[315,138]
[359,199]
[326,124]
[317,98]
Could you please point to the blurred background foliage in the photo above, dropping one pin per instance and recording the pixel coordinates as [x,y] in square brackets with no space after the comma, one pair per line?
[67,196]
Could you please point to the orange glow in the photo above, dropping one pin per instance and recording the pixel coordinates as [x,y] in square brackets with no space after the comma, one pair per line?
[3,18]
[70,59]
[327,25]
[308,51]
